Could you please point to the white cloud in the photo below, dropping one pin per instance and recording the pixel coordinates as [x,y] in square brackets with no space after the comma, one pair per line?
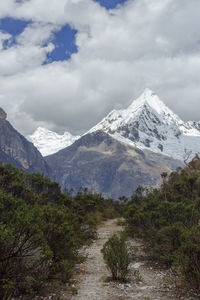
[19,59]
[152,43]
[7,7]
[37,34]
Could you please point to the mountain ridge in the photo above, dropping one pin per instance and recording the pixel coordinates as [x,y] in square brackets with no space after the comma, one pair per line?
[147,123]
[96,161]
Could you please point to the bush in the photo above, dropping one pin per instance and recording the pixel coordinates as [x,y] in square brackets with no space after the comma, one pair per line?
[116,256]
[41,230]
[168,220]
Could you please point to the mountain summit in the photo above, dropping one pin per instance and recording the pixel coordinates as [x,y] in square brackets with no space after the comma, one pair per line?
[149,124]
[149,98]
[144,113]
[49,142]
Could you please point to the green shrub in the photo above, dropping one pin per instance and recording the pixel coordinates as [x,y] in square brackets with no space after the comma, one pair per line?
[169,222]
[41,230]
[116,256]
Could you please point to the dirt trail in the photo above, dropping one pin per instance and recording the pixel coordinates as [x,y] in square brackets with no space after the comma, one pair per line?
[92,280]
[144,281]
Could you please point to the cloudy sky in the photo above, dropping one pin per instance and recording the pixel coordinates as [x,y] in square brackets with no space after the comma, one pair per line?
[64,64]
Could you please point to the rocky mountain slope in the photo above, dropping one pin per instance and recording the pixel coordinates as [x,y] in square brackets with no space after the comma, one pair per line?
[96,160]
[108,166]
[49,142]
[15,149]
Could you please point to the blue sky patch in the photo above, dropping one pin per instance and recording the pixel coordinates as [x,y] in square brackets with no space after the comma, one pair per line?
[14,27]
[64,41]
[109,4]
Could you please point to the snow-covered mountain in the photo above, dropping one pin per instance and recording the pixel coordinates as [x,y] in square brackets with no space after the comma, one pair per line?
[49,142]
[149,124]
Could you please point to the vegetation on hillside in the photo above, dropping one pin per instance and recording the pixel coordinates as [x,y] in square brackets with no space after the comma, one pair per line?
[41,230]
[168,220]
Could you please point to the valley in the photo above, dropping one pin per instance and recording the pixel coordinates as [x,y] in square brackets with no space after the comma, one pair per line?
[99,150]
[60,209]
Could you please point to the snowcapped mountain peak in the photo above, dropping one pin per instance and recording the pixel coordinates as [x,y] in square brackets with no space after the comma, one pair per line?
[148,123]
[49,142]
[149,99]
[145,113]
[148,92]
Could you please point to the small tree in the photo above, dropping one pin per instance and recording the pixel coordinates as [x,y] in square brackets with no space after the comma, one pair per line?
[117,257]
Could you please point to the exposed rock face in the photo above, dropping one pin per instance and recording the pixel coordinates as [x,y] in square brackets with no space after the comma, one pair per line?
[195,124]
[107,166]
[15,149]
[3,114]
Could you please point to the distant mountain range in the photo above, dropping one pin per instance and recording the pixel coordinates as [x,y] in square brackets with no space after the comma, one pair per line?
[129,147]
[147,124]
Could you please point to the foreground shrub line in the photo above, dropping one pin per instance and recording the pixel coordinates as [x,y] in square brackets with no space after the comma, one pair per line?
[41,230]
[168,220]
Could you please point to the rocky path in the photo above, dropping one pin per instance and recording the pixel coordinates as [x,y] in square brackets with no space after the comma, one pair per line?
[145,282]
[92,281]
